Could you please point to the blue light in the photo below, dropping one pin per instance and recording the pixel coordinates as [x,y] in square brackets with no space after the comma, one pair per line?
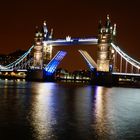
[52,65]
[97,74]
[71,41]
[110,67]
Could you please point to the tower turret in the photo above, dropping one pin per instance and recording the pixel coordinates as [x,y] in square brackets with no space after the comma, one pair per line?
[100,26]
[45,30]
[105,37]
[114,30]
[38,48]
[51,34]
[108,22]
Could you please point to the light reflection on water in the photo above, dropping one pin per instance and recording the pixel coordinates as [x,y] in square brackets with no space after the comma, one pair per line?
[41,113]
[51,111]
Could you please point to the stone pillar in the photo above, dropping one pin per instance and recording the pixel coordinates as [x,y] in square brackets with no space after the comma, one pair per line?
[104,54]
[38,51]
[103,59]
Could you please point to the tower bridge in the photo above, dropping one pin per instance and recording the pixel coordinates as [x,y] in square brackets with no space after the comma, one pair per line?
[38,63]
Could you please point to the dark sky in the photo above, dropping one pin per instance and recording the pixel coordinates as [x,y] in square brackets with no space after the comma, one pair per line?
[77,18]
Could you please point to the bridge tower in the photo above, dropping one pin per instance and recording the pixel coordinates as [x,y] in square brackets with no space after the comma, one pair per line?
[105,52]
[36,71]
[38,51]
[47,49]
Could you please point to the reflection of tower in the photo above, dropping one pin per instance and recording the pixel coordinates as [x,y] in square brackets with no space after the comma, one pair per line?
[38,51]
[105,37]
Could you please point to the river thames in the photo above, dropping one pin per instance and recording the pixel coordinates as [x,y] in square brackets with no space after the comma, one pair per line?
[67,111]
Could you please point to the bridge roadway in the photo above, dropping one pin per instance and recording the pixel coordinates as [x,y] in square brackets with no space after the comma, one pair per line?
[12,70]
[124,78]
[126,74]
[72,41]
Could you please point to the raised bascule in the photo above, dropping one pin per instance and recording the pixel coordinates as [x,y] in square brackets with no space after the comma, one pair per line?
[39,64]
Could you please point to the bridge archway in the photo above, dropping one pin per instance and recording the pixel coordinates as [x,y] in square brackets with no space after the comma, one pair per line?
[53,64]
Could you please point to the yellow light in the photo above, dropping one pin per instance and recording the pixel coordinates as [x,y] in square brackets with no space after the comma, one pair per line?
[41,114]
[112,51]
[13,74]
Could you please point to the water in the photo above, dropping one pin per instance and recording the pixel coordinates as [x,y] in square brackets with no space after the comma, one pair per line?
[51,111]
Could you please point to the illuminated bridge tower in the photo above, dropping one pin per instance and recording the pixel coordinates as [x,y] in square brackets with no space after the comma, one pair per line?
[36,71]
[47,49]
[38,51]
[105,52]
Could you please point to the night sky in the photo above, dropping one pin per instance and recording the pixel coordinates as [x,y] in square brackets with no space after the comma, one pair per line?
[77,18]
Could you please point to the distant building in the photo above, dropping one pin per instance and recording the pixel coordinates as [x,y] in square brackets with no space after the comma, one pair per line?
[11,57]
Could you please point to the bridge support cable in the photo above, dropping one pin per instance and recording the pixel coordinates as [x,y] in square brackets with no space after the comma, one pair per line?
[132,68]
[3,67]
[53,64]
[25,64]
[121,62]
[20,59]
[126,66]
[138,70]
[90,62]
[127,58]
[124,54]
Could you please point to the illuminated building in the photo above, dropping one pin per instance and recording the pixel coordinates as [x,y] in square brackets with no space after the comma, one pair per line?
[47,49]
[38,51]
[105,37]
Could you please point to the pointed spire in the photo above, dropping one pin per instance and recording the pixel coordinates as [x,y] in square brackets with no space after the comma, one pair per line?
[100,26]
[44,23]
[45,30]
[36,31]
[108,22]
[107,17]
[52,30]
[51,34]
[114,29]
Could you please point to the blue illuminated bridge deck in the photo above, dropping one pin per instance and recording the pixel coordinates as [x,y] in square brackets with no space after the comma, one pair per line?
[72,41]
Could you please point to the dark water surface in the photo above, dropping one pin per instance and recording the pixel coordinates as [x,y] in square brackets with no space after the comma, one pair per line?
[51,111]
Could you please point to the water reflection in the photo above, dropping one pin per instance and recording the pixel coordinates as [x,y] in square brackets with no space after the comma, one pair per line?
[80,112]
[103,125]
[116,113]
[83,108]
[60,110]
[51,111]
[42,112]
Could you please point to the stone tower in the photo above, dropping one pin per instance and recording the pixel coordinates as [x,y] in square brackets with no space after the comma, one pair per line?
[47,49]
[38,51]
[104,54]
